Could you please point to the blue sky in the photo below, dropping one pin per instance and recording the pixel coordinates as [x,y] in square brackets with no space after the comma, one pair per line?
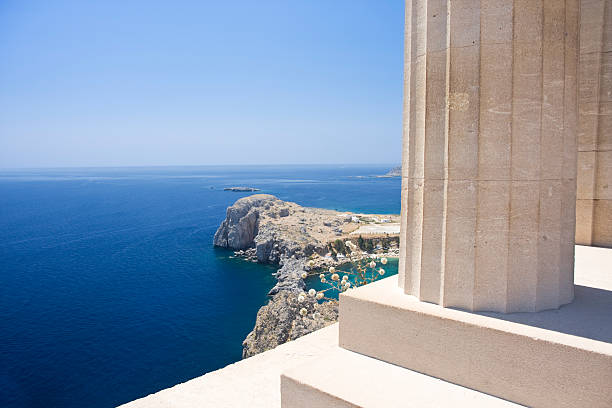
[114,83]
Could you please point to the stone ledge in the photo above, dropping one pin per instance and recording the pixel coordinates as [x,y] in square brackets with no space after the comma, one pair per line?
[557,358]
[343,379]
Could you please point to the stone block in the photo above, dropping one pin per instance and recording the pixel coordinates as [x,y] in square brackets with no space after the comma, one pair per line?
[463,113]
[492,246]
[602,223]
[584,222]
[603,176]
[586,175]
[495,22]
[343,379]
[464,24]
[494,142]
[556,359]
[604,138]
[591,25]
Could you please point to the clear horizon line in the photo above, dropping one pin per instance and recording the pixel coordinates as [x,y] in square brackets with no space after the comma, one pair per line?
[134,166]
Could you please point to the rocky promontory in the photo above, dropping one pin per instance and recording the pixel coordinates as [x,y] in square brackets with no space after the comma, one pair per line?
[278,230]
[265,229]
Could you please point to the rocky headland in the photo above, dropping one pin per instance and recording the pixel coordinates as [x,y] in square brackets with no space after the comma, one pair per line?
[262,228]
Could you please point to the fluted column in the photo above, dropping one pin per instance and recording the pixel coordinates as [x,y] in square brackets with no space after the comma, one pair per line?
[489,155]
[594,204]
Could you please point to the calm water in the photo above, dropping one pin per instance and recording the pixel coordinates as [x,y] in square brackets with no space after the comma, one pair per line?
[111,288]
[314,282]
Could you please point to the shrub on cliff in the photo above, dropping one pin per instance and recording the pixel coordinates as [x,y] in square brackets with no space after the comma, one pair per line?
[361,242]
[338,247]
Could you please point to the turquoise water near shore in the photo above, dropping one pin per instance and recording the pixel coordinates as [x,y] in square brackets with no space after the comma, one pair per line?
[313,281]
[111,288]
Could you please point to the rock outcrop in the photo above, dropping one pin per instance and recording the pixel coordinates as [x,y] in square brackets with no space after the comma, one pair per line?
[263,228]
[289,277]
[239,228]
[280,321]
[278,230]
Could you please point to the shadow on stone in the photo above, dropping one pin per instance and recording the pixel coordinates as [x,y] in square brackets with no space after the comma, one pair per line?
[589,315]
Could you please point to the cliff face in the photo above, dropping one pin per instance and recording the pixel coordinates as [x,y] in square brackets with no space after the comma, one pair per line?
[276,229]
[280,321]
[286,234]
[270,230]
[239,228]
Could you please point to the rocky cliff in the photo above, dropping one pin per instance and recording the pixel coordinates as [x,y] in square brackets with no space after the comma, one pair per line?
[263,228]
[278,230]
[280,321]
[239,228]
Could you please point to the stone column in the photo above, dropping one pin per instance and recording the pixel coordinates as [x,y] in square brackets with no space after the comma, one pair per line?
[489,154]
[594,205]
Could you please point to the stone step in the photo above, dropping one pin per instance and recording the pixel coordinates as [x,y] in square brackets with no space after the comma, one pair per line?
[342,379]
[557,358]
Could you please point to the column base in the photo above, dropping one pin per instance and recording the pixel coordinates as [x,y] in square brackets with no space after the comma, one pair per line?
[556,358]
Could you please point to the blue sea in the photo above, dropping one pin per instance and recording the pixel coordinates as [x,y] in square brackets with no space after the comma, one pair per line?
[110,286]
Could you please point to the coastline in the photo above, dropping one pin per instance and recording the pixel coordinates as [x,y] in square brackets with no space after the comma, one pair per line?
[298,240]
[136,250]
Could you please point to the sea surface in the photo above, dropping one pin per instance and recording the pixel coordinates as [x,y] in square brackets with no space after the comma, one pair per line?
[110,286]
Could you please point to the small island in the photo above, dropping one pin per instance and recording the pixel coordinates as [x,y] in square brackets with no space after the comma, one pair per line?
[241,189]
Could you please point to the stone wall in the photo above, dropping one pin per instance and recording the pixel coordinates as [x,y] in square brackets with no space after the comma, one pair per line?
[594,179]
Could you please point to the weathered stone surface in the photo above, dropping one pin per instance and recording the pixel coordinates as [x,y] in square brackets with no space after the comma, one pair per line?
[594,206]
[489,166]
